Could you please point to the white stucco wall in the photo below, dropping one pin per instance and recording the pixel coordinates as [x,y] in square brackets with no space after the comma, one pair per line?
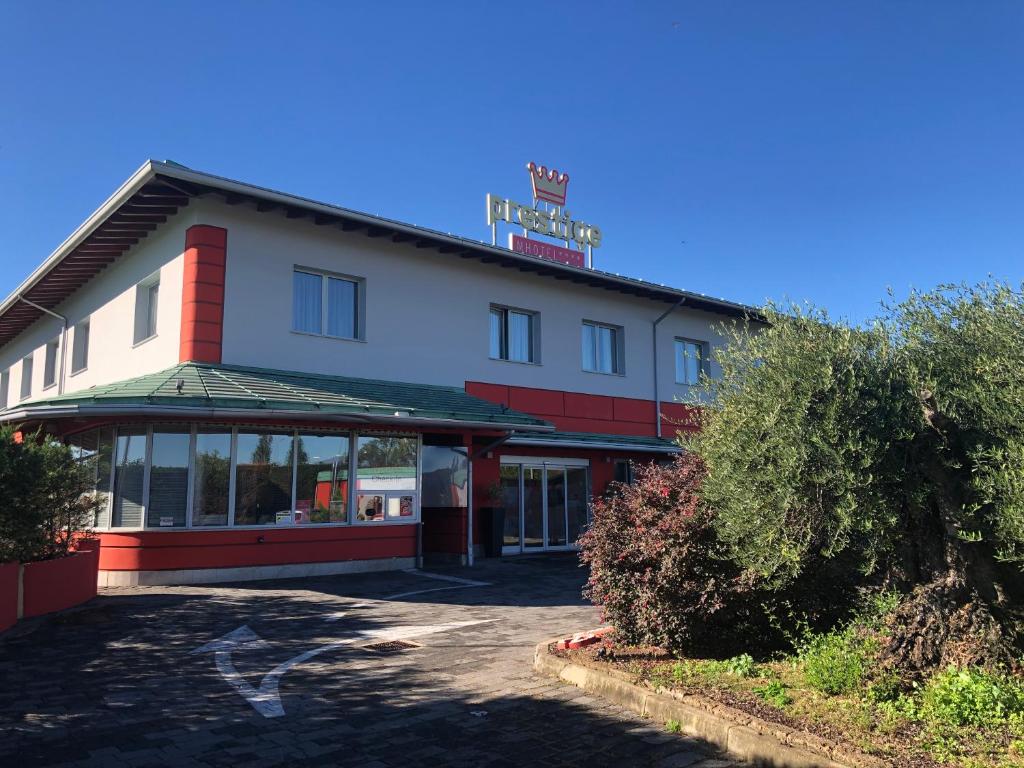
[427,313]
[108,300]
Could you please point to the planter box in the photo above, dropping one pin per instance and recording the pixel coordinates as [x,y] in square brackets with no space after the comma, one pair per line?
[53,585]
[8,594]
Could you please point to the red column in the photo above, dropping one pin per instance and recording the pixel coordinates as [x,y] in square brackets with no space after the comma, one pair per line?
[202,296]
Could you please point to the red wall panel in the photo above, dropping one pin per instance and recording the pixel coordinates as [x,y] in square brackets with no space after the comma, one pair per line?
[162,551]
[589,406]
[492,393]
[444,531]
[202,297]
[541,402]
[8,595]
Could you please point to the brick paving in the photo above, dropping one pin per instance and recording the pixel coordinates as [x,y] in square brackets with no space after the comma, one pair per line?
[117,684]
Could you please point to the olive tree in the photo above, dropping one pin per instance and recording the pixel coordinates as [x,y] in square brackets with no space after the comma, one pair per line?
[895,449]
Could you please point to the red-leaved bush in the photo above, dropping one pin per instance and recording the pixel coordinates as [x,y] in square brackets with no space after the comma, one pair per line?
[657,567]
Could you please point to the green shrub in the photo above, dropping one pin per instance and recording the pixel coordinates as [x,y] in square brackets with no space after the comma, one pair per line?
[47,498]
[673,726]
[774,692]
[835,662]
[971,697]
[742,666]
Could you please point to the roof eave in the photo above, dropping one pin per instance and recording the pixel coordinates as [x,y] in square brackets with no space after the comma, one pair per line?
[603,446]
[44,412]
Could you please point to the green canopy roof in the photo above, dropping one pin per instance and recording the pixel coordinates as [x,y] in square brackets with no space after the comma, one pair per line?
[597,441]
[214,390]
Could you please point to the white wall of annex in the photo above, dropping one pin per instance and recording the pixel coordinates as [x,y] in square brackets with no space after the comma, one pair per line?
[427,313]
[108,300]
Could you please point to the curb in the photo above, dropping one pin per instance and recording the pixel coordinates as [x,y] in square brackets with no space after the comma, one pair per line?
[747,737]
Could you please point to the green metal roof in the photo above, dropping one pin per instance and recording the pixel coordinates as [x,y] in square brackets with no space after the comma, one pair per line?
[597,441]
[203,386]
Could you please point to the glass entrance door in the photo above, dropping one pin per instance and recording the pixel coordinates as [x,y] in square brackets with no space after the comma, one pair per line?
[546,506]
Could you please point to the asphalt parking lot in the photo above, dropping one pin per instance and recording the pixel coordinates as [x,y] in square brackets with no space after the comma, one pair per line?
[370,670]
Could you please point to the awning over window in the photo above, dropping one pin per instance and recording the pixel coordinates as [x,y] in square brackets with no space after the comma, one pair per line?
[596,441]
[197,390]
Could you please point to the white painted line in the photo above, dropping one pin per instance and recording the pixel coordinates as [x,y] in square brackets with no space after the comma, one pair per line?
[267,698]
[444,577]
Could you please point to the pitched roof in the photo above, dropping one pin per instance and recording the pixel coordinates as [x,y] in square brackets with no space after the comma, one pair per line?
[229,390]
[158,190]
[597,441]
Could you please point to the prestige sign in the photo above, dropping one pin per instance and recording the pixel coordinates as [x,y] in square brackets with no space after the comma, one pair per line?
[550,220]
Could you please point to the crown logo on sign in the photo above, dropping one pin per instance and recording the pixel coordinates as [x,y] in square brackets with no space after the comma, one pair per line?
[548,186]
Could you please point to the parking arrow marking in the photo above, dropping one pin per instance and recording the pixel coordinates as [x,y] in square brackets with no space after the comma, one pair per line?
[267,698]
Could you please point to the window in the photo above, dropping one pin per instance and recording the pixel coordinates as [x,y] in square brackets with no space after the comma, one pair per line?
[26,378]
[445,471]
[689,361]
[5,387]
[263,479]
[602,348]
[211,492]
[80,347]
[50,363]
[623,471]
[168,478]
[91,452]
[147,301]
[326,305]
[385,478]
[321,479]
[129,477]
[512,335]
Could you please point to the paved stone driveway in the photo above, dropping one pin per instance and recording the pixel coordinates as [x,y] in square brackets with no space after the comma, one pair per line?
[117,684]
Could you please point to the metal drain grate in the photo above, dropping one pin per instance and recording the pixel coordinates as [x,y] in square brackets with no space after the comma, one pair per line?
[392,646]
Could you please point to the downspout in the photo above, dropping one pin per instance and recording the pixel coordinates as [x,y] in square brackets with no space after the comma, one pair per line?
[63,338]
[654,349]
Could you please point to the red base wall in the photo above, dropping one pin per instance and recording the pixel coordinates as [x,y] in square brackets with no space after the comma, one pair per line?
[444,530]
[8,595]
[53,585]
[166,551]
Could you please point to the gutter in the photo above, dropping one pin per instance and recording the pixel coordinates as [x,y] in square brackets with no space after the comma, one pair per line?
[654,342]
[540,442]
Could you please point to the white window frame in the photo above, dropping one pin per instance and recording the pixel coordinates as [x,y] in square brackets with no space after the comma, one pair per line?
[503,345]
[704,348]
[146,316]
[618,348]
[193,430]
[80,346]
[27,366]
[325,277]
[51,360]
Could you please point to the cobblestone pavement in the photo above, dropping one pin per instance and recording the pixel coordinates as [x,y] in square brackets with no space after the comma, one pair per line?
[117,683]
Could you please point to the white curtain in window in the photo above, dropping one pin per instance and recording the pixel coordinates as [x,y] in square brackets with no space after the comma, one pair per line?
[589,348]
[496,318]
[307,303]
[341,308]
[154,301]
[519,337]
[605,350]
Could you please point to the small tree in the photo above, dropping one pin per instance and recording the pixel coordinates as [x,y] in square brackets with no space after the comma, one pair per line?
[48,498]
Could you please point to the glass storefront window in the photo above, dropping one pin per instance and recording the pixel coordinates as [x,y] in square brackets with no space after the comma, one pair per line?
[168,479]
[321,490]
[445,470]
[263,479]
[577,501]
[129,477]
[386,463]
[212,478]
[510,501]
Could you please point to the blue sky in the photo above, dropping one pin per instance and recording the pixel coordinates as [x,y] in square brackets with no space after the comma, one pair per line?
[818,151]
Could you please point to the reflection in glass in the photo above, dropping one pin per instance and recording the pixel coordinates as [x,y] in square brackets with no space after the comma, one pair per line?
[263,479]
[168,479]
[445,470]
[386,463]
[129,475]
[533,507]
[321,490]
[213,477]
[510,500]
[556,507]
[577,498]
